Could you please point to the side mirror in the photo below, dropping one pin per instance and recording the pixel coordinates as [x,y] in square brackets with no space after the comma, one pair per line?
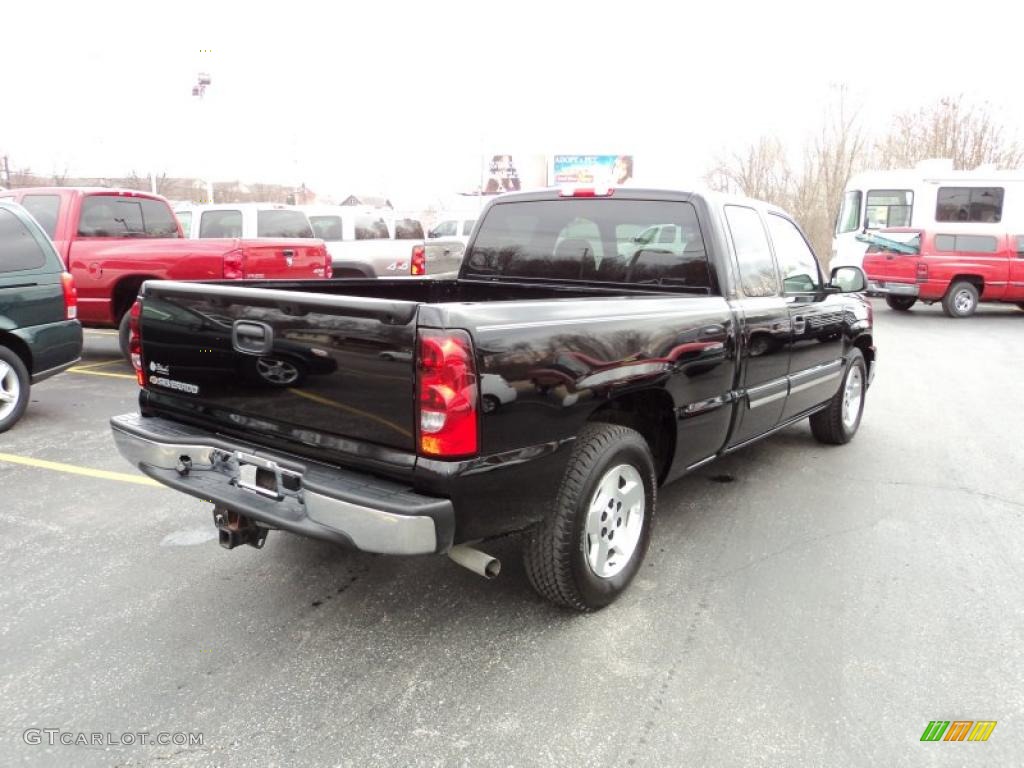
[849,279]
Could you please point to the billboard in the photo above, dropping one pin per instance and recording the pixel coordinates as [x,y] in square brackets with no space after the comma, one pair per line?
[592,169]
[505,174]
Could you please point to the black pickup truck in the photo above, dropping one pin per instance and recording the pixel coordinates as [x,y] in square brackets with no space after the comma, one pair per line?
[595,345]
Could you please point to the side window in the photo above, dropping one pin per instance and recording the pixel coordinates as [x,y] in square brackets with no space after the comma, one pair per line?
[115,216]
[445,229]
[889,208]
[220,224]
[44,209]
[19,248]
[983,204]
[467,227]
[371,228]
[1020,246]
[757,269]
[800,273]
[185,217]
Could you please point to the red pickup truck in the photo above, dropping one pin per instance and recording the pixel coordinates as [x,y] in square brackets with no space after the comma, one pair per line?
[112,240]
[959,270]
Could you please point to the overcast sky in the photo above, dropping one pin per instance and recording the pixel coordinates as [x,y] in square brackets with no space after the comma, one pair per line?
[404,98]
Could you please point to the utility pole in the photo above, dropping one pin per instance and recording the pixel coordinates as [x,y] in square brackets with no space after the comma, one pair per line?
[7,173]
[199,89]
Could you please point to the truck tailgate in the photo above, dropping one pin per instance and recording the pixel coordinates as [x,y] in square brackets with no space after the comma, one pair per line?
[283,259]
[320,373]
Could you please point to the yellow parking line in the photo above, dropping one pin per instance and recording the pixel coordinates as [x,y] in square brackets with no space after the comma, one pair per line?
[358,412]
[76,369]
[90,366]
[103,474]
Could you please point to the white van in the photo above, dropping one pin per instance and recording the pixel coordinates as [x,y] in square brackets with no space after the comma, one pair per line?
[929,195]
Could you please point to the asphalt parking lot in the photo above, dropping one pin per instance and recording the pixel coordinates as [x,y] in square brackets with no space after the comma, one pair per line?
[801,604]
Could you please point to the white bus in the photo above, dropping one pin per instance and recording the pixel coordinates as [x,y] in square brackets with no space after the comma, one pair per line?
[982,200]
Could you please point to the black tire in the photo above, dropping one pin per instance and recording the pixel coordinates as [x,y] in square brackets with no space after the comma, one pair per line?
[900,303]
[555,550]
[1020,306]
[124,333]
[961,300]
[489,403]
[14,380]
[828,426]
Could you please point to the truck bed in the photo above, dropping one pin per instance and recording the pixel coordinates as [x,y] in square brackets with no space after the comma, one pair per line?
[337,377]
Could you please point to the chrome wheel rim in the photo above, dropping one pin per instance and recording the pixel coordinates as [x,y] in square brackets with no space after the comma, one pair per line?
[853,393]
[10,390]
[963,301]
[615,520]
[277,371]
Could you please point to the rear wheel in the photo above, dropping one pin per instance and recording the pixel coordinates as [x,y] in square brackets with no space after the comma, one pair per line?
[900,303]
[14,388]
[489,403]
[595,536]
[961,300]
[838,423]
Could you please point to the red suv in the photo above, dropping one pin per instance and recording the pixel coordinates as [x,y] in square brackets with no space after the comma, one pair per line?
[959,270]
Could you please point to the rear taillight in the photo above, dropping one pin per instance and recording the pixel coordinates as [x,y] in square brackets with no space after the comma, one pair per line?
[328,267]
[70,296]
[922,271]
[135,342]
[234,265]
[447,394]
[418,266]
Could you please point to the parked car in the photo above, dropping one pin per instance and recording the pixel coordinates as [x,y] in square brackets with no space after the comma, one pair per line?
[113,240]
[672,358]
[39,333]
[370,242]
[453,226]
[958,270]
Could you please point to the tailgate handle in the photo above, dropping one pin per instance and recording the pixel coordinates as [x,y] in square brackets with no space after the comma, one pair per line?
[288,252]
[252,338]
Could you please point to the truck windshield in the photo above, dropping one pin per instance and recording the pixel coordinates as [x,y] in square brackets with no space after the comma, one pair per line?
[615,241]
[282,223]
[111,216]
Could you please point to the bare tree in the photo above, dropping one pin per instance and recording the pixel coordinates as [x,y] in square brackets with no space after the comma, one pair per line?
[59,179]
[950,128]
[761,171]
[811,189]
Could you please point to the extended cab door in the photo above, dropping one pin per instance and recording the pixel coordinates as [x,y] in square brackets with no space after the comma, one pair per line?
[1015,287]
[764,327]
[816,318]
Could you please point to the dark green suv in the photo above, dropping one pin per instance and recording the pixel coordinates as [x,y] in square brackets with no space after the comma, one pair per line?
[39,335]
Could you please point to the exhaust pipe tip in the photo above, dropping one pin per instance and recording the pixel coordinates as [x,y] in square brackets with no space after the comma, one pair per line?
[478,562]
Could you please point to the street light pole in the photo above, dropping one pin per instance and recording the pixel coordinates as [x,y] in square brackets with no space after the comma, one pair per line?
[199,89]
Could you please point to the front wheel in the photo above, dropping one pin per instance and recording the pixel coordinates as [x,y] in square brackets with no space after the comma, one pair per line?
[838,423]
[961,299]
[14,388]
[587,550]
[900,303]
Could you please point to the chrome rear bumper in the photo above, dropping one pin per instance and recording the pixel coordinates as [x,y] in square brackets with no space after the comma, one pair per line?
[348,507]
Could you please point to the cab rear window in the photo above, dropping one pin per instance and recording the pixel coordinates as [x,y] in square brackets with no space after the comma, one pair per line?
[968,243]
[111,216]
[282,223]
[638,242]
